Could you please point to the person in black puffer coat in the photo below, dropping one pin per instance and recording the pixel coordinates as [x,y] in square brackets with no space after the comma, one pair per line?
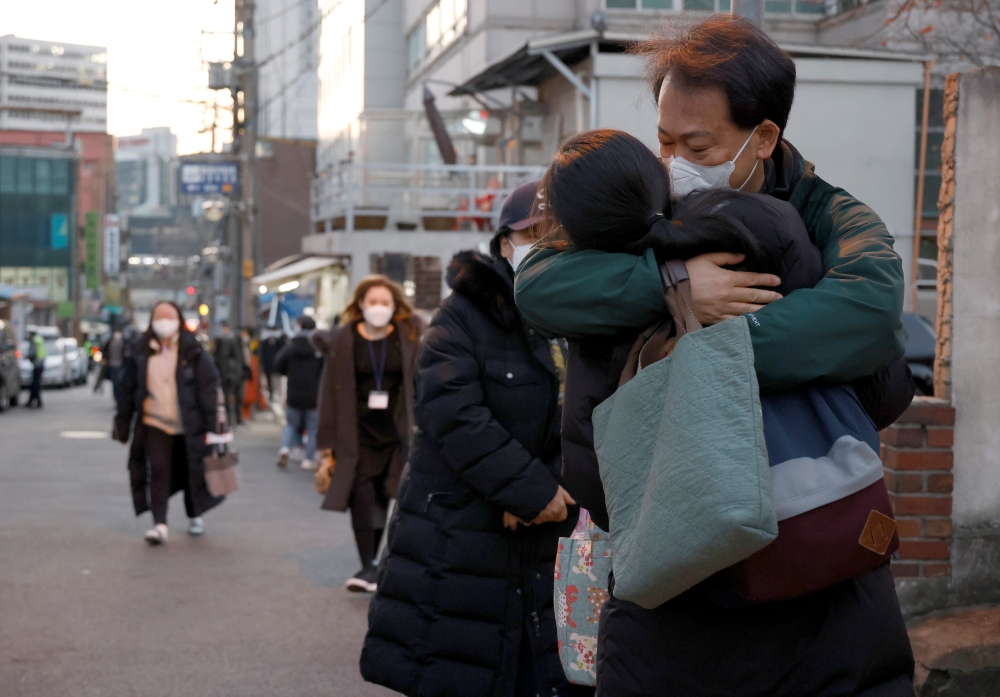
[464,600]
[302,365]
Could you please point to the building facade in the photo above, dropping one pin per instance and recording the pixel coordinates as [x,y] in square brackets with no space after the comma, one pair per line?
[287,36]
[52,86]
[146,172]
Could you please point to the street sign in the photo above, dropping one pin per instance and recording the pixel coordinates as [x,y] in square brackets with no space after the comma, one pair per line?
[112,245]
[210,178]
[60,231]
[90,247]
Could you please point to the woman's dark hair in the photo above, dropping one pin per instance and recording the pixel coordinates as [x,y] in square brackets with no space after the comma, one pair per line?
[729,53]
[605,190]
[150,334]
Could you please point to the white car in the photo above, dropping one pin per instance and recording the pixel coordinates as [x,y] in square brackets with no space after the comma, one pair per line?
[76,360]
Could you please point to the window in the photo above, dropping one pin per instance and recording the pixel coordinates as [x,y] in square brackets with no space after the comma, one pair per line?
[798,8]
[444,22]
[935,137]
[641,4]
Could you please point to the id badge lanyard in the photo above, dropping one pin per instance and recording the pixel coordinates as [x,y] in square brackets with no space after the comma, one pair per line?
[377,398]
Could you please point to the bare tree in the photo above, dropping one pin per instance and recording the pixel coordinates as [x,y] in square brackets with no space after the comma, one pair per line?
[954,31]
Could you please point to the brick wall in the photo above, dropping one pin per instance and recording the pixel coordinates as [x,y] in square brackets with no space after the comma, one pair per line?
[917,456]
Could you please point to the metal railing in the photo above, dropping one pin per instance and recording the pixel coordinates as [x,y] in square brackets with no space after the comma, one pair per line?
[360,196]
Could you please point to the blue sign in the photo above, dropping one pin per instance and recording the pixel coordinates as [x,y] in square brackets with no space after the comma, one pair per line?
[60,231]
[210,178]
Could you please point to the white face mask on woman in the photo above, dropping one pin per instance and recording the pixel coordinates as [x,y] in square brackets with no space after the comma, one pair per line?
[687,177]
[520,252]
[377,315]
[166,328]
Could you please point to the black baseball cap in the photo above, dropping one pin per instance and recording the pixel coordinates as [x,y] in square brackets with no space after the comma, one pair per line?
[516,212]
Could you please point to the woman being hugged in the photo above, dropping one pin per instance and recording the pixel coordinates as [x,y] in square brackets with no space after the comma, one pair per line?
[464,600]
[171,385]
[366,411]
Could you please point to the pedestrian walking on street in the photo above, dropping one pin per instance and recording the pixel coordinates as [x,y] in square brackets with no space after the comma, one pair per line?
[269,348]
[366,411]
[725,91]
[232,366]
[302,365]
[170,389]
[464,604]
[37,353]
[114,360]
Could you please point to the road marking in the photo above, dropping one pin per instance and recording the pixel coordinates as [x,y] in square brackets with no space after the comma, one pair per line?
[84,435]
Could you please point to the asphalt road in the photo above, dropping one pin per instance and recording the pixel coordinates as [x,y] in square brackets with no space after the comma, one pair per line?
[255,607]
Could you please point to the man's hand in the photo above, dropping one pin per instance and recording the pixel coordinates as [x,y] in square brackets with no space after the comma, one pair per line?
[718,294]
[555,512]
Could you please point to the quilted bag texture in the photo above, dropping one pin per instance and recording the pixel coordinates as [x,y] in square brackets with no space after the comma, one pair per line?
[684,466]
[583,564]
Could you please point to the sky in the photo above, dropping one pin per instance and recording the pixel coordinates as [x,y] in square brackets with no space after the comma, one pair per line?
[154,48]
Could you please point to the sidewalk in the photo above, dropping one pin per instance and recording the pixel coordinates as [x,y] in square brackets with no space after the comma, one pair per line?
[958,653]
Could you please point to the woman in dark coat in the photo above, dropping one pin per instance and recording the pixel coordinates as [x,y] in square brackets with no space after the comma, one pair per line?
[170,390]
[366,411]
[464,604]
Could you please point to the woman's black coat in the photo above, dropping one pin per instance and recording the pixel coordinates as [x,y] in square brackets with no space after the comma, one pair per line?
[844,641]
[197,390]
[457,591]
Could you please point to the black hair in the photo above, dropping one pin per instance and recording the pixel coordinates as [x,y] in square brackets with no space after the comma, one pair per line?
[307,322]
[729,53]
[149,334]
[605,190]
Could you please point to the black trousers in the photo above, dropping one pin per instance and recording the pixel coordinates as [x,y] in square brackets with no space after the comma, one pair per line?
[36,385]
[234,401]
[369,504]
[168,472]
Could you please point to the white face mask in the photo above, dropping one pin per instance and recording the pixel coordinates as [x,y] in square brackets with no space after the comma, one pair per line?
[687,177]
[378,315]
[166,328]
[520,252]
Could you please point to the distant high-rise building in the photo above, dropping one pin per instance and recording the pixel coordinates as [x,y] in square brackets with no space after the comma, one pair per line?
[146,166]
[287,36]
[50,86]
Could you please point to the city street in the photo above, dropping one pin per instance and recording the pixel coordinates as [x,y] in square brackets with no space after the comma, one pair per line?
[255,607]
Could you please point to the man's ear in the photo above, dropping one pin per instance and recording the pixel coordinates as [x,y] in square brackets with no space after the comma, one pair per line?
[768,135]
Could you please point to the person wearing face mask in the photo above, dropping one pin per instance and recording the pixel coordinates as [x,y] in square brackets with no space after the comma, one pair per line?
[169,389]
[366,411]
[464,604]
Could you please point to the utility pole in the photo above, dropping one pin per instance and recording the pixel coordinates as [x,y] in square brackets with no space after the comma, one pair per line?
[244,147]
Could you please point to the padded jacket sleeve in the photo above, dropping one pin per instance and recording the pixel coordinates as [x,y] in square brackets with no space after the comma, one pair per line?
[451,409]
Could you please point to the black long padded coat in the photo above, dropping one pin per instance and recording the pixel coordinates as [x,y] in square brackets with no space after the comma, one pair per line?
[458,591]
[197,392]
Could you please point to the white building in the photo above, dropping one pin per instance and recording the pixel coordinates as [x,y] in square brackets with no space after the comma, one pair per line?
[52,86]
[146,170]
[287,45]
[512,78]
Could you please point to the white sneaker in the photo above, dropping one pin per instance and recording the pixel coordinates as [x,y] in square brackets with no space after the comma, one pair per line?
[308,465]
[197,527]
[157,535]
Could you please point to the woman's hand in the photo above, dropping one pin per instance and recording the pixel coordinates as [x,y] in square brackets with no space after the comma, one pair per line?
[718,294]
[323,475]
[555,512]
[511,521]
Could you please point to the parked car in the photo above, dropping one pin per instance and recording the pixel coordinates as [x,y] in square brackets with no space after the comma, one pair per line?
[76,360]
[921,343]
[10,373]
[58,372]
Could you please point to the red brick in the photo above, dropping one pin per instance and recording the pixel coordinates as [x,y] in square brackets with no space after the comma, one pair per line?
[904,483]
[915,504]
[940,483]
[940,437]
[903,436]
[904,570]
[918,459]
[937,570]
[924,549]
[936,527]
[908,527]
[931,412]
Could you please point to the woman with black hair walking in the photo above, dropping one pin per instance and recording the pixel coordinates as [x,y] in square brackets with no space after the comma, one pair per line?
[170,390]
